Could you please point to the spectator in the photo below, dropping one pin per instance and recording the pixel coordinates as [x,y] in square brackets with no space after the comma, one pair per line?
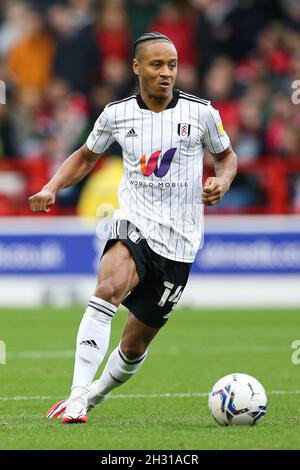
[291,8]
[212,34]
[245,21]
[243,55]
[178,24]
[25,107]
[282,117]
[141,14]
[113,36]
[291,142]
[13,27]
[7,140]
[271,47]
[77,57]
[220,88]
[100,96]
[250,140]
[292,41]
[115,72]
[30,61]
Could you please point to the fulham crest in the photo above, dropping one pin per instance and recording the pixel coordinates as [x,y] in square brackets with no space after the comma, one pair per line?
[183,129]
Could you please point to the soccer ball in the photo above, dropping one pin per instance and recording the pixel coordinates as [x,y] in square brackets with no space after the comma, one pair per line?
[237,399]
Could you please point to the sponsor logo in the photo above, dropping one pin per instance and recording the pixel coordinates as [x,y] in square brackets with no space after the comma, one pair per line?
[150,167]
[90,342]
[131,133]
[159,184]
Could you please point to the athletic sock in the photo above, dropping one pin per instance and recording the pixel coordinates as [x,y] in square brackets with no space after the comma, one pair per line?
[92,343]
[117,371]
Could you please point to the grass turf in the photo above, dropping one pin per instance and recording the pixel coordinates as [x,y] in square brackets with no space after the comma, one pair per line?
[188,356]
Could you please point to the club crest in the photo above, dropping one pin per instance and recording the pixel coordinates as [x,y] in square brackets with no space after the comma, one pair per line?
[183,129]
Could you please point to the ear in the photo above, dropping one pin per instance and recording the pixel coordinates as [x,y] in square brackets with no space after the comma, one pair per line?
[136,67]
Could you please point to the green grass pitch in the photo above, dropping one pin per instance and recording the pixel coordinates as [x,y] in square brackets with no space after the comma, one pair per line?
[164,406]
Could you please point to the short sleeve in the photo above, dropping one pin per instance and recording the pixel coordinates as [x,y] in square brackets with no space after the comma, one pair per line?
[215,138]
[101,136]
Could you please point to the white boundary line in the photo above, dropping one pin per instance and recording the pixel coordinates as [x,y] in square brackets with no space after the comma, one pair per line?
[69,353]
[40,354]
[145,395]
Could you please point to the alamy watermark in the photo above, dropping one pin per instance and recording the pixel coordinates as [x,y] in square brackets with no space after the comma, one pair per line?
[296,93]
[2,352]
[2,92]
[296,354]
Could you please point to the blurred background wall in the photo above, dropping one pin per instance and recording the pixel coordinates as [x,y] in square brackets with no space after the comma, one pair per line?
[61,62]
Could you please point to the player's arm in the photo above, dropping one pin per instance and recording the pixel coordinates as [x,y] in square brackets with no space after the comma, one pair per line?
[225,165]
[74,168]
[77,165]
[217,142]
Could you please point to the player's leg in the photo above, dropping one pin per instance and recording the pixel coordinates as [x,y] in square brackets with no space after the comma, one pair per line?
[117,276]
[151,302]
[125,360]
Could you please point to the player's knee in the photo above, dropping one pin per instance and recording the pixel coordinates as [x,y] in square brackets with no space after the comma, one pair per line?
[133,351]
[107,290]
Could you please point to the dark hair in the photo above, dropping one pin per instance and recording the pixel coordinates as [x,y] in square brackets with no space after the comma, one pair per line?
[153,36]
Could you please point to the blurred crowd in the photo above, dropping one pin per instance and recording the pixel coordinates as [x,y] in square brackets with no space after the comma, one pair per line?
[63,61]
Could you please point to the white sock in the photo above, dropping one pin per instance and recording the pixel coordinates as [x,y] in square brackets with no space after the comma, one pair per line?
[92,343]
[117,371]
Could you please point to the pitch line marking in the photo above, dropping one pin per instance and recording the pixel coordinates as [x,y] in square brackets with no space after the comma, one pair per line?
[172,352]
[40,354]
[144,395]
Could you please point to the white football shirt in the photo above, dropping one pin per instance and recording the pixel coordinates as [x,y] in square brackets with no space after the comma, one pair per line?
[161,188]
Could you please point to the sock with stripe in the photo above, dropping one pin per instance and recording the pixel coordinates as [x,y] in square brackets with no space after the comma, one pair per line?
[117,371]
[92,343]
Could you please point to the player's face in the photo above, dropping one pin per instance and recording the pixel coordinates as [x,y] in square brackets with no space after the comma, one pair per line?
[156,67]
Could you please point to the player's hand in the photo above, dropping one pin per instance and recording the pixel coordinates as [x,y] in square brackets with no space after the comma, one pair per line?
[213,190]
[42,201]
